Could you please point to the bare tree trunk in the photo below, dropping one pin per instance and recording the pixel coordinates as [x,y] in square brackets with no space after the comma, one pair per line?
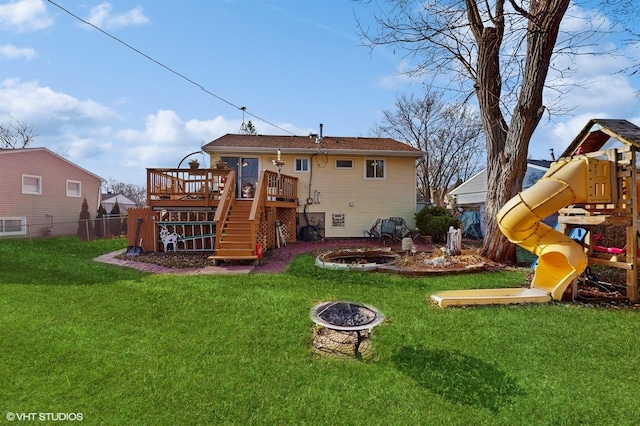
[507,148]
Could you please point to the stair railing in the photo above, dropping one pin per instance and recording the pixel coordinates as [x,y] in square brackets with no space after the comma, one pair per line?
[227,198]
[257,206]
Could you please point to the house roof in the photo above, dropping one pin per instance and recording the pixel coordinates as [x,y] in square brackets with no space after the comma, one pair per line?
[24,150]
[544,164]
[598,131]
[265,144]
[120,198]
[478,182]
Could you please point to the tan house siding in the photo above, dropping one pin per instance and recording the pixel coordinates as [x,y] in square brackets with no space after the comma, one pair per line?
[330,190]
[52,205]
[348,192]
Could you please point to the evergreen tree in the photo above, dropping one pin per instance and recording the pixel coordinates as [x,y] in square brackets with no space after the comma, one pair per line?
[115,223]
[85,228]
[99,224]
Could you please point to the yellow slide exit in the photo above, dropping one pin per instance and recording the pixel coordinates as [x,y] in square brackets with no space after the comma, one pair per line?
[560,259]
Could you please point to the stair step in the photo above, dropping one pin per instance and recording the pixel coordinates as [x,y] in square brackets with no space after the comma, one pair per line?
[217,257]
[236,245]
[242,230]
[235,233]
[229,253]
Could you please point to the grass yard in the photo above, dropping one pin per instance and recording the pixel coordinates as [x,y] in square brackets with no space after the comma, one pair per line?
[124,347]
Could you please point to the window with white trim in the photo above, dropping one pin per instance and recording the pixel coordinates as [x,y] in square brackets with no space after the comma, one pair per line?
[31,184]
[302,165]
[13,226]
[344,164]
[73,188]
[374,168]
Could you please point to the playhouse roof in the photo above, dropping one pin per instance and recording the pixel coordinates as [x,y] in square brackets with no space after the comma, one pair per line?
[599,130]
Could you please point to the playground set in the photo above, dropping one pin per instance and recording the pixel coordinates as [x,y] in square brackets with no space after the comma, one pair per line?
[592,186]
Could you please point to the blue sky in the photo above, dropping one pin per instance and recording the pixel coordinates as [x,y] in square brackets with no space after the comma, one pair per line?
[292,63]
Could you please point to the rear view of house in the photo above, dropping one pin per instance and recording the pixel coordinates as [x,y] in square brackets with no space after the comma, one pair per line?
[344,183]
[42,193]
[262,191]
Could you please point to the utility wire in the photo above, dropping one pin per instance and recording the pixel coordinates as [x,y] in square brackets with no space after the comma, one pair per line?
[171,70]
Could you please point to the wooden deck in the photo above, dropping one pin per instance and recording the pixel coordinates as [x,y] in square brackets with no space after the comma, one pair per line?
[214,191]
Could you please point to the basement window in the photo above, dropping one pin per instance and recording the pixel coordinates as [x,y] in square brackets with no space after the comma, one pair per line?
[13,226]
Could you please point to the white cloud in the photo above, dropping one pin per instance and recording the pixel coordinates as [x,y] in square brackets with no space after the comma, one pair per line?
[30,102]
[166,138]
[578,19]
[399,79]
[9,51]
[165,127]
[24,15]
[208,130]
[101,16]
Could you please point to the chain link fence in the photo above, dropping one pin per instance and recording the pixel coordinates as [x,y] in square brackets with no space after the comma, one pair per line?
[85,229]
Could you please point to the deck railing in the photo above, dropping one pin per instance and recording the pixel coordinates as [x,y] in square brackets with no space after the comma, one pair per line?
[183,186]
[280,187]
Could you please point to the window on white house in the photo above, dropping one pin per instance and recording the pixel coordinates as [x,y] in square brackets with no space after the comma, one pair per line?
[302,165]
[31,184]
[337,220]
[344,164]
[73,188]
[374,169]
[13,226]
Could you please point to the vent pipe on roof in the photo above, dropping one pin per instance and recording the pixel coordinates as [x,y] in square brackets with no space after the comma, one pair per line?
[320,130]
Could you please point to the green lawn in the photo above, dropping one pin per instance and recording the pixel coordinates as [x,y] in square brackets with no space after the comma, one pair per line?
[124,347]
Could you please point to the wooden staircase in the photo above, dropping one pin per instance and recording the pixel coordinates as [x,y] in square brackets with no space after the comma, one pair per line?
[236,242]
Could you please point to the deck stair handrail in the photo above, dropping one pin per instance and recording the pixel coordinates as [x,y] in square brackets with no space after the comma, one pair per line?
[226,201]
[257,206]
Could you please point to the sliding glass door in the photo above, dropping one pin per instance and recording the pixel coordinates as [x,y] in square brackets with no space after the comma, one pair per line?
[246,169]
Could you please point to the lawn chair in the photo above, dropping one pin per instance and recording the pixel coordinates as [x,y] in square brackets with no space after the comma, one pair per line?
[402,229]
[387,231]
[374,232]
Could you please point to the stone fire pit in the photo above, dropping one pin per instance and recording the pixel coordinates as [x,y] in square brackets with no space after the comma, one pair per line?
[345,326]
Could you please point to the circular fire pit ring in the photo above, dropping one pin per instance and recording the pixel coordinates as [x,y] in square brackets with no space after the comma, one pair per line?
[347,318]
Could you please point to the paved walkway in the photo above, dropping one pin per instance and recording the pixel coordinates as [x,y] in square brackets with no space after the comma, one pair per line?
[159,269]
[275,260]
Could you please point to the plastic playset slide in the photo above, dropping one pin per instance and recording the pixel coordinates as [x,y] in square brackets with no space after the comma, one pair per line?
[560,259]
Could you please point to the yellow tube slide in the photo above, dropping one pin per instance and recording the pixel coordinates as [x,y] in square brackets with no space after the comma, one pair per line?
[560,259]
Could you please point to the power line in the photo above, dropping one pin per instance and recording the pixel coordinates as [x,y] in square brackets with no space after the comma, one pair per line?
[171,70]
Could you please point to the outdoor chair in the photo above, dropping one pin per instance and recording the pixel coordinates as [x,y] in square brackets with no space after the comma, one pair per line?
[374,232]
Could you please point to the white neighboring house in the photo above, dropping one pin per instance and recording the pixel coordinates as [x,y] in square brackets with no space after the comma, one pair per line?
[125,203]
[472,194]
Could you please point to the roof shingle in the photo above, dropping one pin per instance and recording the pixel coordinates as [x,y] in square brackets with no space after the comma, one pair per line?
[305,144]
